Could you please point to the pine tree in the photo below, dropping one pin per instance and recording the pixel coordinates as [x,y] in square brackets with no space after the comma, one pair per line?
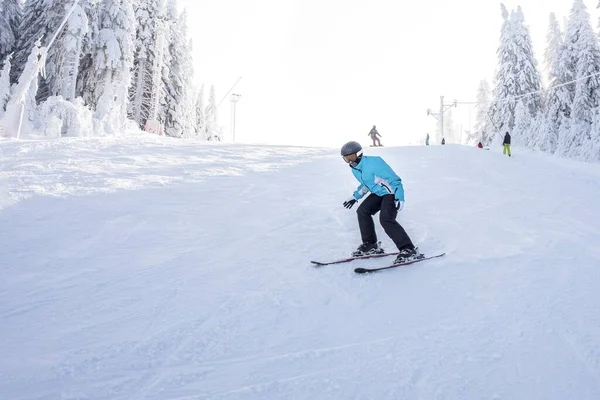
[113,61]
[40,20]
[482,131]
[200,115]
[593,152]
[554,45]
[149,61]
[523,120]
[558,99]
[505,89]
[529,84]
[63,71]
[86,79]
[582,57]
[517,77]
[189,89]
[179,82]
[594,143]
[11,14]
[4,84]
[212,128]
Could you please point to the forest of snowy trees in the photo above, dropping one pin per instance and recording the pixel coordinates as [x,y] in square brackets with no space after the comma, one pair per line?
[561,116]
[115,63]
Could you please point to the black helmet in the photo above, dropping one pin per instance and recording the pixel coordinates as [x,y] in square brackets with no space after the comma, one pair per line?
[351,148]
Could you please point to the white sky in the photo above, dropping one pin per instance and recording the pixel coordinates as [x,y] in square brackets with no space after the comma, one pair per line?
[322,72]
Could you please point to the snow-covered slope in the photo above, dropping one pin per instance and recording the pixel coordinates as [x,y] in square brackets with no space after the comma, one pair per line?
[148,268]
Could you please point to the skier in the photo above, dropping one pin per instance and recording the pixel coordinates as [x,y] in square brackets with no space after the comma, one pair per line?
[387,196]
[480,145]
[443,141]
[373,133]
[427,140]
[506,144]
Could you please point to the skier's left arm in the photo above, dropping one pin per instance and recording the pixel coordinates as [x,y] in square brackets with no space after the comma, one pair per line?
[386,173]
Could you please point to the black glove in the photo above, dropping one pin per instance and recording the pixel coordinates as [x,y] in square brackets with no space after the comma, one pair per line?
[349,203]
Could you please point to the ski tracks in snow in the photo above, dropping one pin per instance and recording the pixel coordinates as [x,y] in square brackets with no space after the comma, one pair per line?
[196,285]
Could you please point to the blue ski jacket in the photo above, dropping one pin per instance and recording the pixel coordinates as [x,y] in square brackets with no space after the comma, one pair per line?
[377,177]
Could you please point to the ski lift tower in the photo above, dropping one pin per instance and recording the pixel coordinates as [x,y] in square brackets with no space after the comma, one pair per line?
[234,99]
[440,116]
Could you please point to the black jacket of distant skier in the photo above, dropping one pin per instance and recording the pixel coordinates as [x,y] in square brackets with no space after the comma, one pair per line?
[506,139]
[373,133]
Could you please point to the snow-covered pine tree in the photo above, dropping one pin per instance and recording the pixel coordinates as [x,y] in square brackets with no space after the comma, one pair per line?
[582,53]
[113,61]
[558,99]
[529,84]
[4,84]
[161,49]
[200,115]
[212,127]
[68,54]
[86,81]
[523,120]
[593,152]
[11,13]
[482,131]
[190,90]
[517,76]
[587,88]
[594,144]
[40,20]
[568,67]
[505,85]
[554,45]
[150,16]
[179,82]
[171,78]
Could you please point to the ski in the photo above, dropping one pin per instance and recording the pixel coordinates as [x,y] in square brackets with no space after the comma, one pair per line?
[366,270]
[345,260]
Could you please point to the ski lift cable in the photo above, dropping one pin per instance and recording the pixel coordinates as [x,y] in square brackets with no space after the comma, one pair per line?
[236,82]
[531,93]
[210,106]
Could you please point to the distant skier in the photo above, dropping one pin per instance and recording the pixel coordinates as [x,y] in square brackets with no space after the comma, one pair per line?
[427,140]
[506,144]
[443,141]
[373,133]
[387,196]
[480,145]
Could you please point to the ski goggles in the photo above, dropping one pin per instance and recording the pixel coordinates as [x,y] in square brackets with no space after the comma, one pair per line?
[352,159]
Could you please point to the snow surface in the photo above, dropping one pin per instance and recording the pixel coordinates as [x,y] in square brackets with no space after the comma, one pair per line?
[151,268]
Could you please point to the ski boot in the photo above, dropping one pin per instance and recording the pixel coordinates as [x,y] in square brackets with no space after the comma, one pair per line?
[366,249]
[408,254]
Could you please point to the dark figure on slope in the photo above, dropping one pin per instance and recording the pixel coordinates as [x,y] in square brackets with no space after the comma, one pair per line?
[387,198]
[506,144]
[374,136]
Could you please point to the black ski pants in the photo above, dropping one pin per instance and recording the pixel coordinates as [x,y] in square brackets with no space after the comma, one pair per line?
[369,207]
